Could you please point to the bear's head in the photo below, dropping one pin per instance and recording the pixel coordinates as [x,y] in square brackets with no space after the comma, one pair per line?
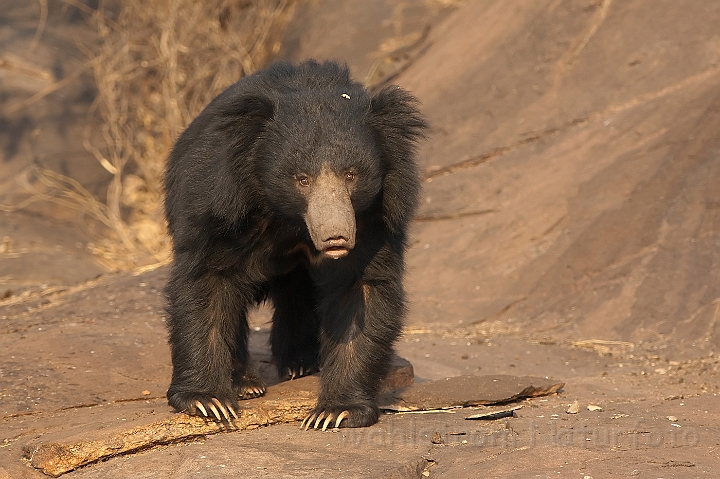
[323,156]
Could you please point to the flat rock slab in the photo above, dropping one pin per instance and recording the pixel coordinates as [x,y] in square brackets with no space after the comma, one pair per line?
[102,432]
[106,431]
[464,391]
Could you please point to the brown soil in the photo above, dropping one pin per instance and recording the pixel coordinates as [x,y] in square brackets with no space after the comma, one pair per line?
[570,228]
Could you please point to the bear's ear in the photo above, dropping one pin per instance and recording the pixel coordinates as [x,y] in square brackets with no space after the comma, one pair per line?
[398,126]
[242,120]
[247,107]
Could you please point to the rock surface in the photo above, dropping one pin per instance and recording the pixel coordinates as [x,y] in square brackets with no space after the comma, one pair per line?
[103,432]
[569,228]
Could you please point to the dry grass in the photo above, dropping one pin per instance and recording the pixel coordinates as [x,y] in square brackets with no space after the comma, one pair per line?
[156,65]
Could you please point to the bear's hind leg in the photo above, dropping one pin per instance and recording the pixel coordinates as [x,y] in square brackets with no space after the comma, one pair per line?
[294,336]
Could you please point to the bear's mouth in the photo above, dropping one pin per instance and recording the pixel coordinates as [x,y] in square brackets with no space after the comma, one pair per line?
[336,252]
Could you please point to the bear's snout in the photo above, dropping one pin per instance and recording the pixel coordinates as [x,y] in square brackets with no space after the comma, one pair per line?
[330,217]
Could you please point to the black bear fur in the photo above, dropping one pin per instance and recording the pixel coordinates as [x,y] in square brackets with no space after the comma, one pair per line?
[237,205]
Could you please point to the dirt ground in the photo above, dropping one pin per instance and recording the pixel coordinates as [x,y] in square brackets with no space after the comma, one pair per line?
[569,228]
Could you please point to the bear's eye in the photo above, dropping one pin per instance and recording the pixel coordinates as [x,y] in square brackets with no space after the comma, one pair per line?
[303,181]
[349,176]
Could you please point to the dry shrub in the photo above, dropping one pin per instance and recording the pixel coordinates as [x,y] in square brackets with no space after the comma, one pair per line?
[156,66]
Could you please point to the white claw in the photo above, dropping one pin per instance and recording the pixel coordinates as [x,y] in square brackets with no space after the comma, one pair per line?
[222,408]
[215,411]
[309,420]
[232,411]
[343,415]
[199,405]
[328,420]
[301,371]
[319,418]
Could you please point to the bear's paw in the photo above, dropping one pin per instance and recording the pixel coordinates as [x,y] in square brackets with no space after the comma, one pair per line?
[250,386]
[340,416]
[204,405]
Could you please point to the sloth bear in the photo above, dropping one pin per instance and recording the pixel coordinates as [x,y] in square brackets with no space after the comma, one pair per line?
[296,186]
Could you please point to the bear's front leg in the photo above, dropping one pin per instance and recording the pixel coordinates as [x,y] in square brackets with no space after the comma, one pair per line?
[359,328]
[208,342]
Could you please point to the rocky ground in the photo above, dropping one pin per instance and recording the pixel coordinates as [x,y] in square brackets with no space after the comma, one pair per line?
[570,228]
